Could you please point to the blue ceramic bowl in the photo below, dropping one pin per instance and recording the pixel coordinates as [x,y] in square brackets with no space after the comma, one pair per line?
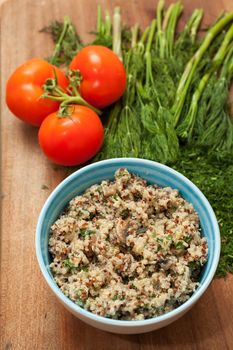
[154,173]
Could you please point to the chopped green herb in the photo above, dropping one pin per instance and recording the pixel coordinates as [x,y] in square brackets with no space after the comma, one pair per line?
[67,263]
[92,215]
[141,230]
[85,232]
[79,302]
[169,238]
[121,173]
[84,268]
[188,239]
[125,213]
[137,196]
[179,245]
[195,269]
[118,297]
[200,168]
[133,287]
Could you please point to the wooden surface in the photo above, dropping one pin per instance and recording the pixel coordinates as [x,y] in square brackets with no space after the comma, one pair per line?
[31,317]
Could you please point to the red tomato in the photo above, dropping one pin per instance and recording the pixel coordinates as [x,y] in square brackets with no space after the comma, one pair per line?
[103,75]
[25,87]
[73,139]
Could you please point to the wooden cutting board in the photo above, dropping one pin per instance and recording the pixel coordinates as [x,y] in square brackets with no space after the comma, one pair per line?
[31,317]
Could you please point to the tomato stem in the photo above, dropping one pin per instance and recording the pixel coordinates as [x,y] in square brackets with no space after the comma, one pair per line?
[55,93]
[67,100]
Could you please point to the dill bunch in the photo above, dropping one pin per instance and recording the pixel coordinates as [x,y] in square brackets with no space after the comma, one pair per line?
[215,179]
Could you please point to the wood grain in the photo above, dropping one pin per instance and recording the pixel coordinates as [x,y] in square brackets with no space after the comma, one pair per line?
[31,318]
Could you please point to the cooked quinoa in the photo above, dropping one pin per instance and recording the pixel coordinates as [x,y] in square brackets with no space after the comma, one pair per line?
[127,250]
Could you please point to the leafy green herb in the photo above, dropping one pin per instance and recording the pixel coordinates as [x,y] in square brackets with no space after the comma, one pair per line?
[84,268]
[68,263]
[85,232]
[195,268]
[169,237]
[179,245]
[67,41]
[215,180]
[118,297]
[92,215]
[188,239]
[103,34]
[159,248]
[79,302]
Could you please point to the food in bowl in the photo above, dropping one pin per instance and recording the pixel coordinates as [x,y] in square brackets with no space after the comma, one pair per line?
[127,250]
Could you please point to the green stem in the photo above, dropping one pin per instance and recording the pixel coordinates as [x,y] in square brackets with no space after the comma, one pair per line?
[191,27]
[134,35]
[108,24]
[197,17]
[167,16]
[99,19]
[176,11]
[191,67]
[141,43]
[58,46]
[80,101]
[228,64]
[149,74]
[117,32]
[57,94]
[73,100]
[160,35]
[151,35]
[185,128]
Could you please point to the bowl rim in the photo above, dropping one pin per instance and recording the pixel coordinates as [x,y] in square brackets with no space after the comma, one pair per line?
[131,323]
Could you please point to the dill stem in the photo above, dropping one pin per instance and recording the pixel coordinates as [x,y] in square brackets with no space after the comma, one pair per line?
[160,36]
[185,128]
[191,27]
[175,12]
[151,35]
[197,17]
[99,19]
[191,67]
[108,23]
[117,32]
[141,43]
[227,67]
[134,35]
[149,74]
[58,45]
